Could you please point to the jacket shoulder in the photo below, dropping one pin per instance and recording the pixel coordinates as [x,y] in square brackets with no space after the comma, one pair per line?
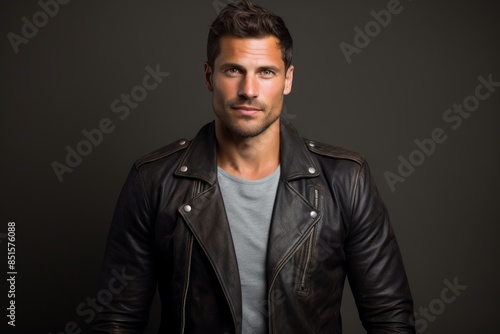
[163,152]
[332,151]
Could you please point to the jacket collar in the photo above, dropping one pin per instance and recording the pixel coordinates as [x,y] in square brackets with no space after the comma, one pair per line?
[200,159]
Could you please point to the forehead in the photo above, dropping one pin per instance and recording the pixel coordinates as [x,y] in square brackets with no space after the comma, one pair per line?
[256,50]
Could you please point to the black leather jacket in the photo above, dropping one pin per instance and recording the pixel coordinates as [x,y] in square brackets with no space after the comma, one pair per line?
[170,229]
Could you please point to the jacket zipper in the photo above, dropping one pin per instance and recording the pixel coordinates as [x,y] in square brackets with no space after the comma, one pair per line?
[308,257]
[198,187]
[186,285]
[273,280]
[285,260]
[269,297]
[310,243]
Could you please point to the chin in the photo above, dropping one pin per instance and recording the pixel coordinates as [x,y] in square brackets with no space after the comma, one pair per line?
[250,130]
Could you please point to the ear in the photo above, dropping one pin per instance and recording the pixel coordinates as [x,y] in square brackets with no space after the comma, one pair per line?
[288,80]
[208,77]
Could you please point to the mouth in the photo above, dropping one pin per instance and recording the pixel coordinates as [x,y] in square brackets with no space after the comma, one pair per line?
[246,110]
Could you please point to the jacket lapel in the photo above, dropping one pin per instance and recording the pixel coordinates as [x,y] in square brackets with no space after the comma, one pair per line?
[208,222]
[293,215]
[293,218]
[206,217]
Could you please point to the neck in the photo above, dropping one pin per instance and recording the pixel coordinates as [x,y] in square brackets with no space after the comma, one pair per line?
[248,158]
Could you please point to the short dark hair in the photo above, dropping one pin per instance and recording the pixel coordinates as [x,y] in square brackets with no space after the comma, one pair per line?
[247,20]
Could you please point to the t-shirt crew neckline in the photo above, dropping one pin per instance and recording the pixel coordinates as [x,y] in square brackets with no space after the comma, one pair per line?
[249,182]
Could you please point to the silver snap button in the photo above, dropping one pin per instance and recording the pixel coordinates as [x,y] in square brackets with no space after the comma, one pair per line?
[184,169]
[182,142]
[187,208]
[312,170]
[311,144]
[314,214]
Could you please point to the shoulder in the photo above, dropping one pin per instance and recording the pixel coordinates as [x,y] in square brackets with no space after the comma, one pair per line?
[163,153]
[334,152]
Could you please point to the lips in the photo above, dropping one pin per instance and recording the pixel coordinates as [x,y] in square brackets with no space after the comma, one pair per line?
[246,110]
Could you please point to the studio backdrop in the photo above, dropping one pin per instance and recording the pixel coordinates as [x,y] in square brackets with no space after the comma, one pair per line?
[88,87]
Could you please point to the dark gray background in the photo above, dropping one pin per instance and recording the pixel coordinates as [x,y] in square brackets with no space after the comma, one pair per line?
[395,91]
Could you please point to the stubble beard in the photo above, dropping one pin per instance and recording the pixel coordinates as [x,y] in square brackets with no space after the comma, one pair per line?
[231,125]
[230,121]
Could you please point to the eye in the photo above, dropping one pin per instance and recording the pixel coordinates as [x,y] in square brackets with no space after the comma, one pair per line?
[233,71]
[267,73]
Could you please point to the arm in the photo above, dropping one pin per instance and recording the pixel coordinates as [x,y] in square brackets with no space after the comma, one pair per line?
[128,283]
[375,268]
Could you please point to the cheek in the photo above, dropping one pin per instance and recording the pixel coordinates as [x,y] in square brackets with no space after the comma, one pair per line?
[274,92]
[223,88]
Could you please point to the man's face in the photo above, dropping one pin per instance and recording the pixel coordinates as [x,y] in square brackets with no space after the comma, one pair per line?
[248,82]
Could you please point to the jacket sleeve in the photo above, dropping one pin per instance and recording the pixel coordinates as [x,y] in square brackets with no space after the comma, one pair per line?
[128,283]
[375,268]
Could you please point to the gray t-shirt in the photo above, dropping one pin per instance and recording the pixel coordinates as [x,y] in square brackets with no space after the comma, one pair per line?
[249,207]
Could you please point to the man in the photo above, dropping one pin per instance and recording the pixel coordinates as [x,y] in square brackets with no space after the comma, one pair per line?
[248,228]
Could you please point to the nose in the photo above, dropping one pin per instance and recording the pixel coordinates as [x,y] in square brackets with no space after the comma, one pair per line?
[249,87]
